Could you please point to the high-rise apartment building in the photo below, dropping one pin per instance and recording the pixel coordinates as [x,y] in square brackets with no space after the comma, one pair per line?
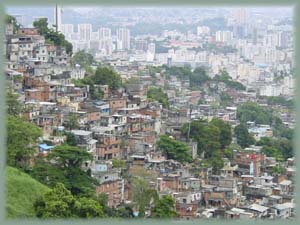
[123,39]
[67,30]
[85,32]
[104,33]
[224,36]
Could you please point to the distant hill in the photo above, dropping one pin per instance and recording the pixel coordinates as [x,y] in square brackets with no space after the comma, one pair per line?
[22,191]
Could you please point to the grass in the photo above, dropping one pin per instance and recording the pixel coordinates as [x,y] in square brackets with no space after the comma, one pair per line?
[22,191]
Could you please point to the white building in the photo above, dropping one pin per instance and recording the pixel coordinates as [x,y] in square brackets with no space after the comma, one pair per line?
[67,30]
[85,32]
[104,33]
[202,30]
[123,39]
[224,36]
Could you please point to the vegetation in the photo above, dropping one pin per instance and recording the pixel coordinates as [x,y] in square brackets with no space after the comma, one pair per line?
[73,122]
[244,139]
[224,77]
[118,163]
[22,191]
[174,149]
[165,208]
[52,36]
[12,20]
[22,139]
[102,76]
[14,107]
[280,100]
[280,148]
[82,58]
[70,139]
[60,203]
[66,170]
[278,170]
[158,95]
[198,77]
[225,99]
[251,111]
[143,196]
[225,131]
[210,137]
[106,75]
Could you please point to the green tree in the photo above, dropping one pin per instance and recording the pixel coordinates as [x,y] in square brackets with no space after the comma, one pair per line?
[42,26]
[73,121]
[14,107]
[63,165]
[198,77]
[244,139]
[82,58]
[225,131]
[225,99]
[56,203]
[21,139]
[125,212]
[174,149]
[88,208]
[118,163]
[165,208]
[228,152]
[158,95]
[142,194]
[70,139]
[52,36]
[207,136]
[278,170]
[12,20]
[272,152]
[281,148]
[251,111]
[107,76]
[60,203]
[102,198]
[217,163]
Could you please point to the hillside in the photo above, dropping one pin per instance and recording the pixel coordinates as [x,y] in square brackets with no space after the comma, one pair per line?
[22,190]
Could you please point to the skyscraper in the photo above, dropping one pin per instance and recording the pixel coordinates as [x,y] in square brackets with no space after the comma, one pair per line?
[104,33]
[123,39]
[67,30]
[85,31]
[224,36]
[57,18]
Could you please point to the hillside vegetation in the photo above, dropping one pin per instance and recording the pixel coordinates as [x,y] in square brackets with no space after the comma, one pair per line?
[22,191]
